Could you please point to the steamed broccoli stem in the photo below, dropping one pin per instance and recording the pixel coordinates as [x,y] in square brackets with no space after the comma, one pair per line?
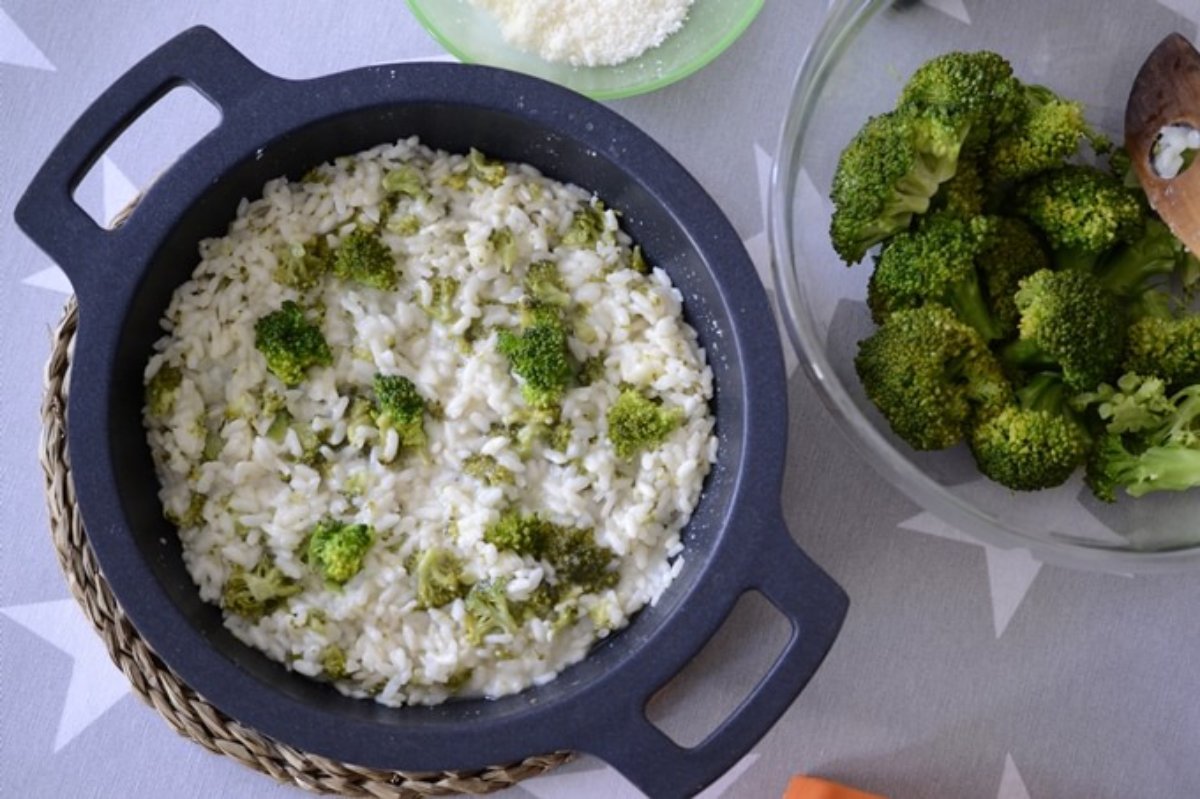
[439,578]
[1034,444]
[1129,270]
[1158,468]
[1070,324]
[931,376]
[637,422]
[1009,251]
[933,264]
[258,592]
[540,358]
[400,407]
[443,290]
[162,390]
[337,549]
[290,344]
[364,258]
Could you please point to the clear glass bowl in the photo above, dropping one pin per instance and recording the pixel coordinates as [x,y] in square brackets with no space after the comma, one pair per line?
[1086,49]
[473,36]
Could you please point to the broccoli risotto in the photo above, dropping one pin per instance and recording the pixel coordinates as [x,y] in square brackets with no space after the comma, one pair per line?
[428,424]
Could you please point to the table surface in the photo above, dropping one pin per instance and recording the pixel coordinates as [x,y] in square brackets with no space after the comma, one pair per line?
[962,671]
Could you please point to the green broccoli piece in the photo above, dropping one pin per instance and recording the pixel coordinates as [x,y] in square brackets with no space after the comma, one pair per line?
[336,549]
[258,592]
[1081,209]
[933,264]
[1165,348]
[403,179]
[964,98]
[966,194]
[364,258]
[441,303]
[525,534]
[487,469]
[439,578]
[930,376]
[290,344]
[162,389]
[579,561]
[303,266]
[488,611]
[637,422]
[333,662]
[1009,251]
[1034,444]
[487,170]
[637,261]
[193,516]
[407,225]
[589,227]
[1048,133]
[592,371]
[1135,269]
[1157,445]
[544,285]
[1069,324]
[539,356]
[400,407]
[504,245]
[882,180]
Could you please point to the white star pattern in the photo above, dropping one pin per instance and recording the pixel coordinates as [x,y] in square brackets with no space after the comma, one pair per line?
[952,8]
[96,684]
[17,49]
[1010,571]
[1011,784]
[581,781]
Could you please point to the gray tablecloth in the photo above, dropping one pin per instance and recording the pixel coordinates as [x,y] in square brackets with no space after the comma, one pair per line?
[962,671]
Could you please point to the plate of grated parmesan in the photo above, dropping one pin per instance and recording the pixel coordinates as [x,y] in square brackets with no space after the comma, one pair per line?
[606,49]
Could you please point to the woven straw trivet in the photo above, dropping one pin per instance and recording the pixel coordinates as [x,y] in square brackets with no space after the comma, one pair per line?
[182,707]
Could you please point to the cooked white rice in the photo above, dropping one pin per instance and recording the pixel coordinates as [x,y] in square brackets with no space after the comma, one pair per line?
[1172,147]
[260,502]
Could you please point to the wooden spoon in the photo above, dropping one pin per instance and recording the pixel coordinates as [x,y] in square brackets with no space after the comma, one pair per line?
[1167,92]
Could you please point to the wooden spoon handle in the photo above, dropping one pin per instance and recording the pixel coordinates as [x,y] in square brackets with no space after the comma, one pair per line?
[1167,92]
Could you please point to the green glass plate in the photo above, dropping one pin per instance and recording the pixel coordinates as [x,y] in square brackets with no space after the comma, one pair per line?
[473,36]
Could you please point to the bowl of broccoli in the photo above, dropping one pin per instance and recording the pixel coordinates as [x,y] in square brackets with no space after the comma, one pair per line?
[978,285]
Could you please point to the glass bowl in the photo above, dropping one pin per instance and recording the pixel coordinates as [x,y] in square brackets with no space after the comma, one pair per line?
[473,36]
[1088,50]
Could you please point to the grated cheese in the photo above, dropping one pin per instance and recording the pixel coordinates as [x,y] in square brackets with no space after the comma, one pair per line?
[587,33]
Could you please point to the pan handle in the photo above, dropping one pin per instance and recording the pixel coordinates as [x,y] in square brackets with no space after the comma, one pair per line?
[815,606]
[48,214]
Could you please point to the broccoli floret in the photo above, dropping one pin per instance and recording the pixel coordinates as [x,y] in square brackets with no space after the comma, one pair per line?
[488,470]
[364,258]
[588,227]
[1047,133]
[933,264]
[1166,348]
[255,593]
[525,534]
[540,357]
[162,390]
[637,261]
[591,371]
[1009,251]
[488,611]
[1069,324]
[965,195]
[487,170]
[400,407]
[544,285]
[403,180]
[336,549]
[577,559]
[1081,209]
[441,302]
[637,422]
[504,245]
[930,375]
[882,180]
[1154,447]
[290,344]
[965,98]
[1138,267]
[303,266]
[333,662]
[439,578]
[1036,443]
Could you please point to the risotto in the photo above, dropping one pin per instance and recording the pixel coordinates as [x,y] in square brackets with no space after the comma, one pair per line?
[428,424]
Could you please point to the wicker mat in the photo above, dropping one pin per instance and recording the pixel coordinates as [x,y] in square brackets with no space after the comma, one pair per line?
[183,709]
